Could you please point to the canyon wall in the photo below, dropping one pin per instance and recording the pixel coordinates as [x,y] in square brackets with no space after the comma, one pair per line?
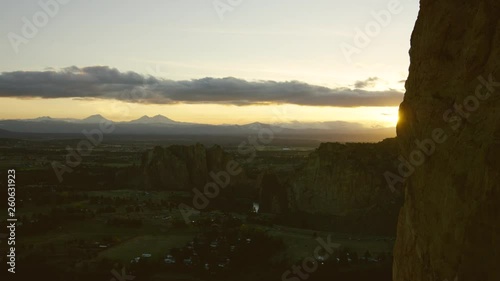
[346,182]
[342,177]
[180,167]
[449,226]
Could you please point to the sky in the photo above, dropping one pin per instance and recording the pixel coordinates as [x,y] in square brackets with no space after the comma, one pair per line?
[209,61]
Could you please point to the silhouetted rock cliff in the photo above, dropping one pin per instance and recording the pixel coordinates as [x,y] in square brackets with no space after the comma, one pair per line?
[449,226]
[340,178]
[344,182]
[180,167]
[272,194]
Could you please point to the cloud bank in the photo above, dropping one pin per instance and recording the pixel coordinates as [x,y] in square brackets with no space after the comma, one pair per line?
[370,82]
[104,82]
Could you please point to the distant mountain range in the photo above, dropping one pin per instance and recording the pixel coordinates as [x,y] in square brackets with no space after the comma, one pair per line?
[158,119]
[161,125]
[98,118]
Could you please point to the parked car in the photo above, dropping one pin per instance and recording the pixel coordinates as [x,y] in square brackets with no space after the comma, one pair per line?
[169,259]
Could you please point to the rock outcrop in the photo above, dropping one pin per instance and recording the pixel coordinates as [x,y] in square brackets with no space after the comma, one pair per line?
[179,167]
[342,177]
[272,194]
[449,226]
[346,182]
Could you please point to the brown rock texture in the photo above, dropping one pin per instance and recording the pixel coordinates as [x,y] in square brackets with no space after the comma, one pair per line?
[449,226]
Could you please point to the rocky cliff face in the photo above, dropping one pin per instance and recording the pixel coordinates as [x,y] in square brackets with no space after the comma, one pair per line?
[449,226]
[272,194]
[341,177]
[180,167]
[347,181]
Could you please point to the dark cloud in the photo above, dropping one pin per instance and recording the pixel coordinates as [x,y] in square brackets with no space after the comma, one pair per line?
[366,83]
[109,83]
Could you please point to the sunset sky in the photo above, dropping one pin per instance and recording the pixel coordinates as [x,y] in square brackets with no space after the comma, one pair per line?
[204,61]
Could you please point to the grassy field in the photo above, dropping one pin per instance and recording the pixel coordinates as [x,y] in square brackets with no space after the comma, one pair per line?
[156,245]
[89,229]
[141,195]
[301,243]
[157,234]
